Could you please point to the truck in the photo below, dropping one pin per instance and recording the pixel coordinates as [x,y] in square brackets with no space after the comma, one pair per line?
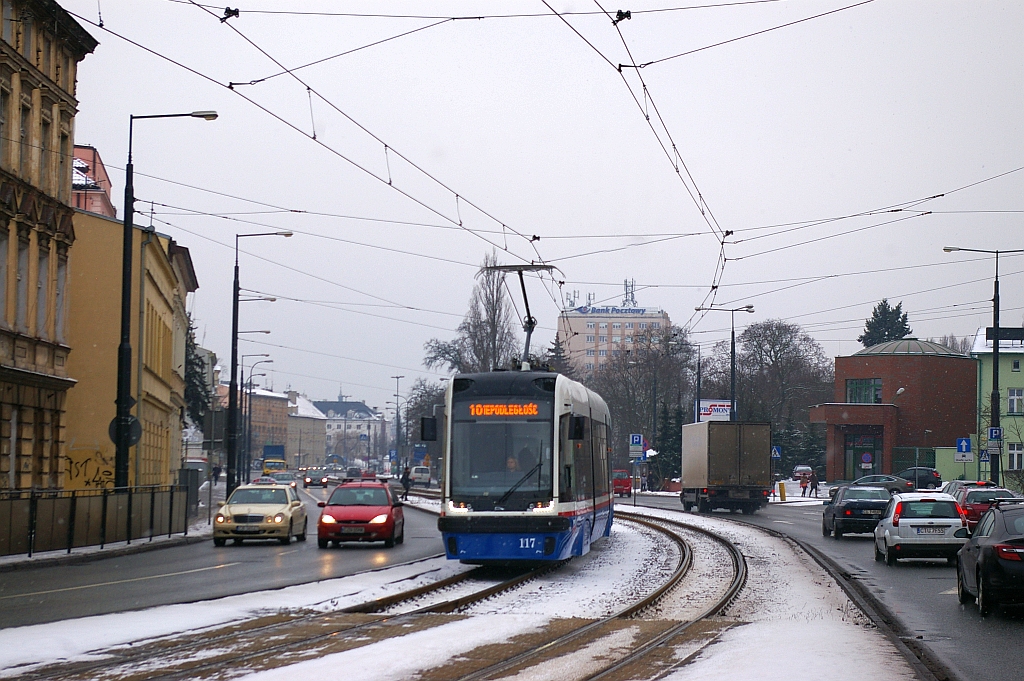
[726,464]
[273,459]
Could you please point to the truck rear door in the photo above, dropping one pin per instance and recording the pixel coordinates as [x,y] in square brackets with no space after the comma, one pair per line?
[755,456]
[723,454]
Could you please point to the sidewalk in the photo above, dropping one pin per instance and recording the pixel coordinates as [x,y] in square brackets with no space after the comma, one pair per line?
[198,531]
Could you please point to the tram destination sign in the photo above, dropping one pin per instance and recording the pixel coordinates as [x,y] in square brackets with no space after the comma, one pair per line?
[505,409]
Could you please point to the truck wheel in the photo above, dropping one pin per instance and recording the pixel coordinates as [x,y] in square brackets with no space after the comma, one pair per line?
[703,506]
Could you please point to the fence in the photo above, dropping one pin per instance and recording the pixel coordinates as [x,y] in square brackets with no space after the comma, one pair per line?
[50,520]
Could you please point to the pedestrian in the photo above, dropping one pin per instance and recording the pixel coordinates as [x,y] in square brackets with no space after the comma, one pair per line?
[406,483]
[216,474]
[814,483]
[803,485]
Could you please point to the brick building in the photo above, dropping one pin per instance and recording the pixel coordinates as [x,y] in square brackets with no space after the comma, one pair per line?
[896,402]
[269,419]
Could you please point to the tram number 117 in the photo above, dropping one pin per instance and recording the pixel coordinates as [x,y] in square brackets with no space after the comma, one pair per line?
[527,542]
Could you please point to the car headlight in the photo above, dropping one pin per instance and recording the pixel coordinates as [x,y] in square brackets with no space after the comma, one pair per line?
[220,518]
[309,480]
[279,518]
[324,481]
[327,519]
[377,520]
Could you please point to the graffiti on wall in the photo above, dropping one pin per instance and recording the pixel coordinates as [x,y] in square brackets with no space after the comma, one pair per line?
[87,468]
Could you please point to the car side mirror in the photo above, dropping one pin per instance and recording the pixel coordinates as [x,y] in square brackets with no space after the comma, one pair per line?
[428,429]
[963,533]
[296,503]
[397,504]
[321,504]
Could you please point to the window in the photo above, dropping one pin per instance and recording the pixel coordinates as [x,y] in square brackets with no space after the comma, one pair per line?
[616,325]
[26,39]
[629,339]
[602,353]
[629,325]
[590,339]
[604,325]
[616,339]
[1016,365]
[864,390]
[1014,456]
[603,339]
[42,290]
[615,353]
[1016,401]
[589,367]
[23,149]
[21,316]
[643,325]
[655,325]
[590,353]
[62,283]
[590,325]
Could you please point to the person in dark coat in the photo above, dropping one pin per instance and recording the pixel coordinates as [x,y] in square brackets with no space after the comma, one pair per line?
[406,483]
[216,474]
[814,483]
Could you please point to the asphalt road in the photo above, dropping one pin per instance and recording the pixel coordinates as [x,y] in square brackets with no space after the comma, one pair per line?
[921,593]
[199,571]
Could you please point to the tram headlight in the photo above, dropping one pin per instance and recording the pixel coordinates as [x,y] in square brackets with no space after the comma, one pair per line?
[542,506]
[378,519]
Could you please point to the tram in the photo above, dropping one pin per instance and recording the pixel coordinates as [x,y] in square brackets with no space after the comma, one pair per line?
[526,474]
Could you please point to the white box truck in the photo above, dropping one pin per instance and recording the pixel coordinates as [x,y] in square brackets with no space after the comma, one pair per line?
[726,464]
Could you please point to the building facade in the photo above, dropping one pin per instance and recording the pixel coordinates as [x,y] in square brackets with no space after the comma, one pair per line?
[1011,402]
[40,47]
[90,184]
[307,432]
[269,420]
[164,277]
[894,403]
[591,335]
[354,430]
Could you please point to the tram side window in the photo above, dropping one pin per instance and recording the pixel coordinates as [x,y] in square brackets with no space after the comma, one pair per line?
[565,448]
[584,462]
[600,448]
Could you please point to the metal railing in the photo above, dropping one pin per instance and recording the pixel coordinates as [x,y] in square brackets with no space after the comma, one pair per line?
[33,521]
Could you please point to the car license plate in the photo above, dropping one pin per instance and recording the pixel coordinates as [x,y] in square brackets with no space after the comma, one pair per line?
[871,512]
[738,494]
[931,530]
[353,530]
[247,529]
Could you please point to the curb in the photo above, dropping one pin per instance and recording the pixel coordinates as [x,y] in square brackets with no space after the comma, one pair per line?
[93,556]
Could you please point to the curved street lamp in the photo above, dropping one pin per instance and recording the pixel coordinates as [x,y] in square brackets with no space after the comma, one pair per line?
[732,311]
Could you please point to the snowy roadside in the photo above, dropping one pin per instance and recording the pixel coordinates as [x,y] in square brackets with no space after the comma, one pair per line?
[790,608]
[85,638]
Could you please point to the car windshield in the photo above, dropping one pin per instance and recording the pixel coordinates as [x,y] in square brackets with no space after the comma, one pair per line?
[929,509]
[985,496]
[353,472]
[621,475]
[866,494]
[312,472]
[359,496]
[259,496]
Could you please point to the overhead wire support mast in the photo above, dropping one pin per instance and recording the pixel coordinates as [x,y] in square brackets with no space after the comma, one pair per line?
[529,322]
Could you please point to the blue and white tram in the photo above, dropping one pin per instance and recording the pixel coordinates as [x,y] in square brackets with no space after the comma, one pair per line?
[526,471]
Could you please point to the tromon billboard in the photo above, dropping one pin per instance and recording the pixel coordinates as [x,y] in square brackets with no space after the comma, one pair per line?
[713,410]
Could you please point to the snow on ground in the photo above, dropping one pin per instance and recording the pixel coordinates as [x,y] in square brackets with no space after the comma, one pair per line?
[83,638]
[794,611]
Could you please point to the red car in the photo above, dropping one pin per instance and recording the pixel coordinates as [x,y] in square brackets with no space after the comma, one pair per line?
[622,483]
[361,510]
[976,500]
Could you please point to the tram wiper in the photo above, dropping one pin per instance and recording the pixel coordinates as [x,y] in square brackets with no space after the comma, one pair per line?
[513,488]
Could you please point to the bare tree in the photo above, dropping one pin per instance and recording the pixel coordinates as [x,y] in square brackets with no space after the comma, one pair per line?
[486,339]
[956,343]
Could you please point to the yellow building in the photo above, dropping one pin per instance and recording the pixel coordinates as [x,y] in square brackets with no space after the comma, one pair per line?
[40,47]
[164,276]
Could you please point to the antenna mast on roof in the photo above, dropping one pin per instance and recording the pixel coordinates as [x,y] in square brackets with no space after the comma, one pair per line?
[629,297]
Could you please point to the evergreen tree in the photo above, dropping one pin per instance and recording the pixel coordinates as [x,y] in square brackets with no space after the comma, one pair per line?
[558,360]
[887,323]
[197,390]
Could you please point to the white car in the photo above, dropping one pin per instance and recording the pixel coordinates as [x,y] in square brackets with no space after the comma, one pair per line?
[920,525]
[420,475]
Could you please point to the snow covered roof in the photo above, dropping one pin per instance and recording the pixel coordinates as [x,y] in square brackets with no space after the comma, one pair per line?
[338,409]
[79,176]
[260,392]
[302,407]
[984,347]
[909,346]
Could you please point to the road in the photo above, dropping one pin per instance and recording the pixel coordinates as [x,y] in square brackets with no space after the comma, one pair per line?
[200,571]
[921,593]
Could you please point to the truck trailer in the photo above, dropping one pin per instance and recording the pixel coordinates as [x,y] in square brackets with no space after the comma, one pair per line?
[726,464]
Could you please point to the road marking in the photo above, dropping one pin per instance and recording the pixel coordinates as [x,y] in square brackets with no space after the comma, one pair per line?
[948,592]
[784,522]
[118,581]
[285,553]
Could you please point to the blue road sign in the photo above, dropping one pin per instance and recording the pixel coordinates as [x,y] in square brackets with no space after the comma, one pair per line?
[984,458]
[995,433]
[963,444]
[776,452]
[636,440]
[363,437]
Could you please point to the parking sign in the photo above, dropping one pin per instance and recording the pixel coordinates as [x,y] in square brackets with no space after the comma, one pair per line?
[995,433]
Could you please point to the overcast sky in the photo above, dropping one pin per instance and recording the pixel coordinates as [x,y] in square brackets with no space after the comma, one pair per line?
[847,115]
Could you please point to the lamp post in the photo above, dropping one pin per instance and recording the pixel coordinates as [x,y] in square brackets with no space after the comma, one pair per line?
[732,361]
[995,398]
[232,425]
[247,459]
[398,418]
[122,421]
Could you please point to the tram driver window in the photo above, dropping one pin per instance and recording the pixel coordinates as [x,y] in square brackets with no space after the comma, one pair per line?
[566,447]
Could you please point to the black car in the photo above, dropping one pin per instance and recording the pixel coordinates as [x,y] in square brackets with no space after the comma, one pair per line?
[853,509]
[922,477]
[314,477]
[990,566]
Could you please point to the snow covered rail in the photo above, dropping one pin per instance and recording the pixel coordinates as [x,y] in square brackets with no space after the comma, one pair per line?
[594,628]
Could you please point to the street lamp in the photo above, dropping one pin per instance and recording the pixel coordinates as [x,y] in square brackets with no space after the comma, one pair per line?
[996,453]
[732,312]
[232,434]
[123,419]
[247,459]
[398,418]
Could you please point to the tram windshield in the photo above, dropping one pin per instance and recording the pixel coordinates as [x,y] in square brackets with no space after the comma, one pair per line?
[503,462]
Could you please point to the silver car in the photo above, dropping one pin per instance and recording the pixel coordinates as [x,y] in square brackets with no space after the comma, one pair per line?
[920,525]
